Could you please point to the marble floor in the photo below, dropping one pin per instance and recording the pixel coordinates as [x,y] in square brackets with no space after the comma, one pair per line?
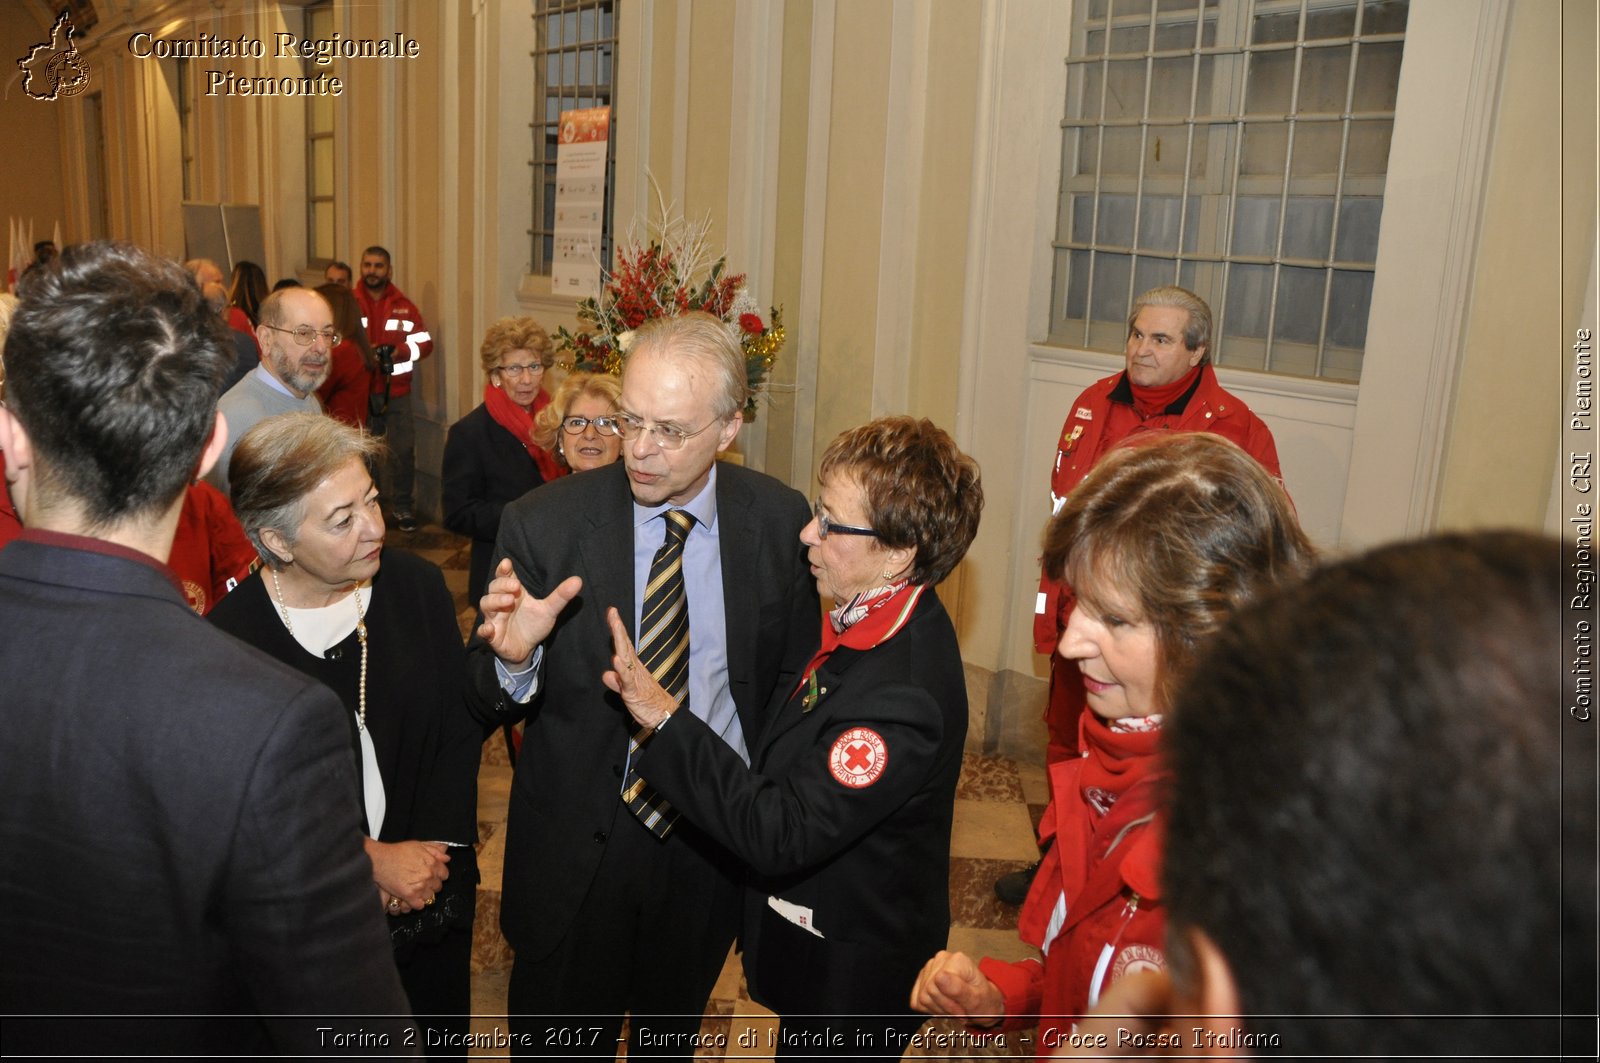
[998,804]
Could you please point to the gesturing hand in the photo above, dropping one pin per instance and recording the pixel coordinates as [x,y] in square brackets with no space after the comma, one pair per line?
[646,702]
[514,621]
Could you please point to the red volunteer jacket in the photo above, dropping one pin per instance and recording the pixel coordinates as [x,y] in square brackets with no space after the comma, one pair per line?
[394,319]
[1085,439]
[1115,923]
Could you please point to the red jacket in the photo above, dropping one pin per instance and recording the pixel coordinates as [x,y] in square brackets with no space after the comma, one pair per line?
[210,553]
[344,393]
[10,524]
[1102,417]
[1115,922]
[392,318]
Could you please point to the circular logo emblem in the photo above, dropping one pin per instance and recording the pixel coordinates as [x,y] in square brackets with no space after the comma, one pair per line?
[1136,958]
[67,74]
[858,757]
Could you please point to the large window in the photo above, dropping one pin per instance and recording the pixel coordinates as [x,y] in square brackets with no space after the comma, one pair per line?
[320,206]
[573,68]
[1237,148]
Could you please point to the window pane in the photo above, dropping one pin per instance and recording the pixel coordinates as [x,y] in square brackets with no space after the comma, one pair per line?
[1265,147]
[1299,305]
[1349,305]
[1358,229]
[322,167]
[1255,225]
[1115,225]
[1153,273]
[1158,222]
[1308,229]
[1384,16]
[1369,147]
[1316,149]
[322,230]
[1271,83]
[1377,77]
[321,114]
[1249,295]
[1245,206]
[1112,275]
[1324,80]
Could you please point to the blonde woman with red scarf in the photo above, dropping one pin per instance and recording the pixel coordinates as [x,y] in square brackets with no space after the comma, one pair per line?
[1164,539]
[490,457]
[842,815]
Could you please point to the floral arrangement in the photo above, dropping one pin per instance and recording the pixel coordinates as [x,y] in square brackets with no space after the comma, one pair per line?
[660,278]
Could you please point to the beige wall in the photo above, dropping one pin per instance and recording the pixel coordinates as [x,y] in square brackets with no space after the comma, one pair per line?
[31,181]
[1506,423]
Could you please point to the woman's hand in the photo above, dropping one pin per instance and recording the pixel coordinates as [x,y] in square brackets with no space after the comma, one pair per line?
[409,873]
[515,622]
[646,702]
[951,984]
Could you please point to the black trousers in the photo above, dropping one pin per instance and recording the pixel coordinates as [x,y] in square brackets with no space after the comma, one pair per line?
[649,939]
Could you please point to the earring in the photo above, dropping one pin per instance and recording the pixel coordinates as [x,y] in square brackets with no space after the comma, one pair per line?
[887,575]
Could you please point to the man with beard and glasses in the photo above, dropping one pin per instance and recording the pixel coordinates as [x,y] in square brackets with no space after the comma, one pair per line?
[297,340]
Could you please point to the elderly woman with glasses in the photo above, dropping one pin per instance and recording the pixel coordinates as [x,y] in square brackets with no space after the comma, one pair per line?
[580,424]
[843,813]
[490,456]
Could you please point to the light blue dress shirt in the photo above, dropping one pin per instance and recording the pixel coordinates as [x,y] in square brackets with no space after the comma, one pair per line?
[710,697]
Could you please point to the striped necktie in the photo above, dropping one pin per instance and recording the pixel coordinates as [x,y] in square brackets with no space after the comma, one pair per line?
[664,650]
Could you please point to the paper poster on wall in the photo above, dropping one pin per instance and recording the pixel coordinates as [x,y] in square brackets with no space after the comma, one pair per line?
[580,201]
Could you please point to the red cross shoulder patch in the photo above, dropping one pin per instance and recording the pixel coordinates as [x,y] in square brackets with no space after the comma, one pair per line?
[858,757]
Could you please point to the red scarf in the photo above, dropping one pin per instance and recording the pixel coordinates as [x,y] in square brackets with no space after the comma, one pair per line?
[1113,762]
[882,621]
[519,423]
[1152,402]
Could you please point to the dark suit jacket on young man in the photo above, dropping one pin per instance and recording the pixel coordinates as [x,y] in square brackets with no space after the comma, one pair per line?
[182,824]
[846,817]
[565,801]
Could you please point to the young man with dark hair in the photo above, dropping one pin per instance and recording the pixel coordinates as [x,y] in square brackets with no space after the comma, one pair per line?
[183,812]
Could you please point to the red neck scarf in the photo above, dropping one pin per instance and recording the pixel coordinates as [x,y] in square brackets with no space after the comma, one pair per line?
[519,423]
[1152,402]
[883,617]
[1116,756]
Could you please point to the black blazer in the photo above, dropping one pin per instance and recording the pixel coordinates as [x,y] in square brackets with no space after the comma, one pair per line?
[183,820]
[564,797]
[484,468]
[845,811]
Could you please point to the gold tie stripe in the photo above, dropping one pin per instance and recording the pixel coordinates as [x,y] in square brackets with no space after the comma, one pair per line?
[664,650]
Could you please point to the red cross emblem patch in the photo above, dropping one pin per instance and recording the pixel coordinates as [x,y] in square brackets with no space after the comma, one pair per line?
[858,757]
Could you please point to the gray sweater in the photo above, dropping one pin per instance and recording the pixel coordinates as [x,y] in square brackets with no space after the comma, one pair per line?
[248,403]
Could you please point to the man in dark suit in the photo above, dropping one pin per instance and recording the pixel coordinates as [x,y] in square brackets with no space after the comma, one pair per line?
[181,811]
[604,915]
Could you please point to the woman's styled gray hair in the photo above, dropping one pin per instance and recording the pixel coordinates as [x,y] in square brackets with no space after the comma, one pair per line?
[282,460]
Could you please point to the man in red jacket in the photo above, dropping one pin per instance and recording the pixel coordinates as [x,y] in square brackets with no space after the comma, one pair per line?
[1168,385]
[394,320]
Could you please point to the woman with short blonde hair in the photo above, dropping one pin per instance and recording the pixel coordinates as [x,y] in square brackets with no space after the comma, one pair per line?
[490,455]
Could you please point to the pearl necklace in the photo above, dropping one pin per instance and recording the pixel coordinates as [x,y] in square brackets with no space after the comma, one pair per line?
[361,635]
